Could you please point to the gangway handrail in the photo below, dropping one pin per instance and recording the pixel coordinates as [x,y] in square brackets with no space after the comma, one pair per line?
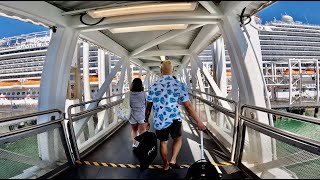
[80,115]
[87,102]
[293,136]
[281,113]
[87,113]
[94,100]
[234,114]
[7,119]
[303,143]
[38,129]
[217,107]
[218,97]
[46,125]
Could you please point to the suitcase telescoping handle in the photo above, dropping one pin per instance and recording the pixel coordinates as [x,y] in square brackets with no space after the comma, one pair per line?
[201,144]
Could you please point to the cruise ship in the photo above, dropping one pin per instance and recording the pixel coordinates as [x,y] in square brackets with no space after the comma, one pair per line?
[283,41]
[21,62]
[22,58]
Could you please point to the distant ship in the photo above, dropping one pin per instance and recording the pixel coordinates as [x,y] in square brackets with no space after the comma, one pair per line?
[21,63]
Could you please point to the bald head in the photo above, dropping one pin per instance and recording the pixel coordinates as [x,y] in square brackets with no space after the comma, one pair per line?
[166,68]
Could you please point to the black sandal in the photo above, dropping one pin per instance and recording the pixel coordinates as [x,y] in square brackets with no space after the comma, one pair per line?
[174,166]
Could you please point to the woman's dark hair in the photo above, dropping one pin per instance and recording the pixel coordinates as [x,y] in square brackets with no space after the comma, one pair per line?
[136,85]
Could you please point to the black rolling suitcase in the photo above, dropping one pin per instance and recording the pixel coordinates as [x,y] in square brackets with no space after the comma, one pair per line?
[147,149]
[202,169]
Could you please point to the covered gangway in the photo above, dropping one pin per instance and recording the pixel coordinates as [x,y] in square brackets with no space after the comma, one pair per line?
[240,132]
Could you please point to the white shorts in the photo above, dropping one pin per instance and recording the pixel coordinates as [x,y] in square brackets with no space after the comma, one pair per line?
[133,121]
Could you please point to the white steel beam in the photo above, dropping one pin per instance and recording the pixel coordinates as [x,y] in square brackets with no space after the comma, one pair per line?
[153,64]
[79,126]
[129,73]
[221,67]
[228,7]
[107,43]
[54,83]
[203,38]
[187,77]
[85,67]
[121,80]
[209,78]
[177,52]
[163,38]
[249,79]
[107,25]
[194,69]
[38,11]
[243,61]
[151,58]
[211,7]
[200,42]
[148,18]
[201,86]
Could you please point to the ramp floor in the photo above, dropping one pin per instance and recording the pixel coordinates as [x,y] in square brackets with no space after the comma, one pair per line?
[118,149]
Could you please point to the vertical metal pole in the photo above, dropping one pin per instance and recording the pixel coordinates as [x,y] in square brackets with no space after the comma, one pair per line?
[317,75]
[129,73]
[290,81]
[187,77]
[235,132]
[121,80]
[272,71]
[193,74]
[201,144]
[79,83]
[140,71]
[300,82]
[108,71]
[85,68]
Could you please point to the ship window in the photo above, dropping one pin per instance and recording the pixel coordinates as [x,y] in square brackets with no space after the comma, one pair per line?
[13,93]
[18,93]
[4,93]
[28,92]
[8,93]
[23,93]
[33,92]
[0,93]
[92,90]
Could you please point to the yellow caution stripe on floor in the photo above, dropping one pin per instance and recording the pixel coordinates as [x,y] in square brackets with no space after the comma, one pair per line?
[137,166]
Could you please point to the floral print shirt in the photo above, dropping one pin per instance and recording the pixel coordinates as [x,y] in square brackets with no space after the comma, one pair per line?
[165,95]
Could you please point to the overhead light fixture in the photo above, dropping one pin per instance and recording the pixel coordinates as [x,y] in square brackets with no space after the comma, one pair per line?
[141,9]
[149,28]
[163,58]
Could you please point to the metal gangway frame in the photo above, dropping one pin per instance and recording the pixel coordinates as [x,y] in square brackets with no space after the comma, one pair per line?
[237,152]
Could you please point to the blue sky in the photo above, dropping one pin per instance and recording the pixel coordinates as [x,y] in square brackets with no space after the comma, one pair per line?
[12,27]
[300,11]
[303,11]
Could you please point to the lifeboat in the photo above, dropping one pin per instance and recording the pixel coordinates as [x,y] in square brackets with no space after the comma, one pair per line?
[293,71]
[9,83]
[93,78]
[31,82]
[311,71]
[229,72]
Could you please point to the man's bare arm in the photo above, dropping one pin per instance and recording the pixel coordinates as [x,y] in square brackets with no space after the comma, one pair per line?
[193,114]
[148,111]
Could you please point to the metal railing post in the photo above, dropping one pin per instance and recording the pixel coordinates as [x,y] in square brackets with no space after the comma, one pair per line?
[235,132]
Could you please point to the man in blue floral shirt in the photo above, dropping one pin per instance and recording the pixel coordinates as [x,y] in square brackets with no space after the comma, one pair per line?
[163,96]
